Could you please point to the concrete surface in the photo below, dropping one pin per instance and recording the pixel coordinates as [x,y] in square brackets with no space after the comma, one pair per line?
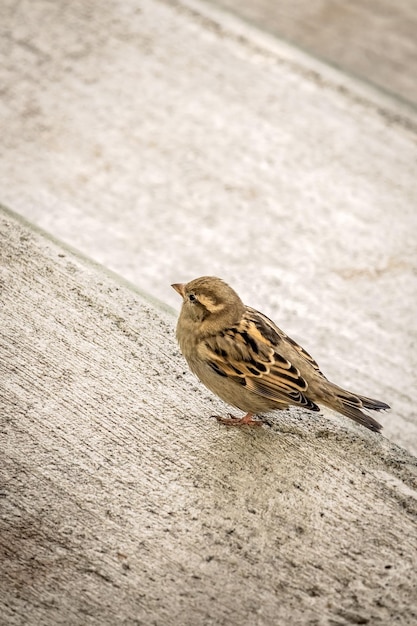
[122,502]
[167,140]
[374,40]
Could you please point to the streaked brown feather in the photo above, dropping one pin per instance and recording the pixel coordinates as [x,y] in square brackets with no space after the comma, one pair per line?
[270,327]
[248,353]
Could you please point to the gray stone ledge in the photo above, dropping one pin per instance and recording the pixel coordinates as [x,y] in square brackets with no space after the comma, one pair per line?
[122,502]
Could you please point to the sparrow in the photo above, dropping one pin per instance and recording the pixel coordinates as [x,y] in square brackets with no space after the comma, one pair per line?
[250,363]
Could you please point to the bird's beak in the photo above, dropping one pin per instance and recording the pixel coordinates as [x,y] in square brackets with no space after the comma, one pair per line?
[179,288]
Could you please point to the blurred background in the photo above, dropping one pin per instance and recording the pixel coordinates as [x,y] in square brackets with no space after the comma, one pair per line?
[374,40]
[272,144]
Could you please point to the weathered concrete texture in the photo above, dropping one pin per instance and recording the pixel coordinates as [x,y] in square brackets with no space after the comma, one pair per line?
[122,502]
[373,39]
[166,143]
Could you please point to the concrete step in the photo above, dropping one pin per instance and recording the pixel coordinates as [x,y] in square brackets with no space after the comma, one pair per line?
[122,501]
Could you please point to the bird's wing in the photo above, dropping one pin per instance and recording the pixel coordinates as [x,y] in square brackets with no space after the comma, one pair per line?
[266,322]
[252,354]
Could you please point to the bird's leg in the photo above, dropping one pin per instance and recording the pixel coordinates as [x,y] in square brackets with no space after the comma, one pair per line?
[231,420]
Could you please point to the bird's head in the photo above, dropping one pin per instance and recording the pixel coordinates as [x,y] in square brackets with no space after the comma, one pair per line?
[209,301]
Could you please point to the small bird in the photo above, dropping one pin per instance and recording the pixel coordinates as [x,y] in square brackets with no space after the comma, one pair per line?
[244,358]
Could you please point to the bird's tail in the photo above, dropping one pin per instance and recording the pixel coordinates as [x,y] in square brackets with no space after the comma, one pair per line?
[351,405]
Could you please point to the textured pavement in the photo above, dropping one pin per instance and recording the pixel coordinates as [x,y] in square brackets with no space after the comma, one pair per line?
[123,502]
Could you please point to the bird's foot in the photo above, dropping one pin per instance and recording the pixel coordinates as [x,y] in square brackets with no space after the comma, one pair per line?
[231,420]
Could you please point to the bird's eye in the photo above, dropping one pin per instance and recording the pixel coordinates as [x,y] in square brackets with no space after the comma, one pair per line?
[192,297]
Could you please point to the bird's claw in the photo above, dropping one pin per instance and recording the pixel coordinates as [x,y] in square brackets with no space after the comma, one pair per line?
[231,420]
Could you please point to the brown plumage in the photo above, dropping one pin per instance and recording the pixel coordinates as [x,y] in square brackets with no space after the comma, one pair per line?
[244,358]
